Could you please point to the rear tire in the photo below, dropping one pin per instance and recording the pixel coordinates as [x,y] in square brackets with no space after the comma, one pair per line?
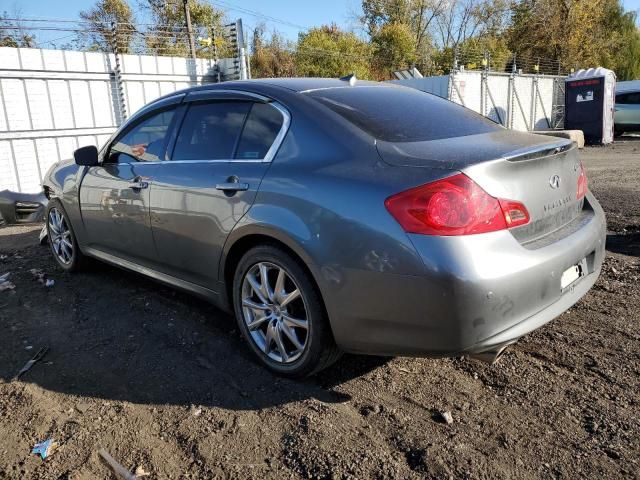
[282,318]
[61,238]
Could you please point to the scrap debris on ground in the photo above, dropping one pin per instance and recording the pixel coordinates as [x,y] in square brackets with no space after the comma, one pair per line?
[5,283]
[163,383]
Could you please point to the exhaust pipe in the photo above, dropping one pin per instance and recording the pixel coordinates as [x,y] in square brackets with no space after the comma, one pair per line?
[490,356]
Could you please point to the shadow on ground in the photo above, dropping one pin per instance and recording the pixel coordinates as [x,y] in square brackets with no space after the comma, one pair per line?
[117,335]
[626,244]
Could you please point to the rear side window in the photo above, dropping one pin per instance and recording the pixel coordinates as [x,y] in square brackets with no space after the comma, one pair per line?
[628,98]
[396,114]
[260,131]
[210,131]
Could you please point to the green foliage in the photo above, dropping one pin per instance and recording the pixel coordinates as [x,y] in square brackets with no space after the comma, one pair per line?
[167,35]
[491,49]
[577,33]
[428,34]
[625,51]
[99,35]
[328,51]
[393,49]
[271,58]
[12,35]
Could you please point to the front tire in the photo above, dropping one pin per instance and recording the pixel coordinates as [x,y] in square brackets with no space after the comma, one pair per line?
[62,240]
[280,313]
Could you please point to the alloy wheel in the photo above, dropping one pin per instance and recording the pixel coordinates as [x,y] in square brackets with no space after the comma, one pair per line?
[61,241]
[275,312]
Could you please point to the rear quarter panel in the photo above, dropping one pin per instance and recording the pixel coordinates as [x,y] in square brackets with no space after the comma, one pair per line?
[323,196]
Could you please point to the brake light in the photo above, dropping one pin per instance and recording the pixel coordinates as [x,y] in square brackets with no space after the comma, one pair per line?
[454,205]
[582,183]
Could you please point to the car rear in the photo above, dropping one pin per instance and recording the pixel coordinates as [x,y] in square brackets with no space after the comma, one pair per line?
[508,234]
[508,278]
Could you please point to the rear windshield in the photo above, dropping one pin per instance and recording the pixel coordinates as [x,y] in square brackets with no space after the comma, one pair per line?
[395,114]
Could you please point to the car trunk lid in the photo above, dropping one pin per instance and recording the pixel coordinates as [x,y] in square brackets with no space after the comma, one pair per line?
[541,172]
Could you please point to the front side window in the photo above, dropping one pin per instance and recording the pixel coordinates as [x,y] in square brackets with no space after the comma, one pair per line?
[146,141]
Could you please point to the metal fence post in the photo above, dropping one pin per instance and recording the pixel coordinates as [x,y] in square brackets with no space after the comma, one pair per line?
[511,93]
[187,18]
[117,72]
[214,49]
[534,103]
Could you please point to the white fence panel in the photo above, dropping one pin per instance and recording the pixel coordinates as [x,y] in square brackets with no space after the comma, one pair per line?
[438,85]
[522,102]
[55,101]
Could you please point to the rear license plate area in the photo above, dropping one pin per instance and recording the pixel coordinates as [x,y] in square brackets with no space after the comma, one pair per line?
[573,274]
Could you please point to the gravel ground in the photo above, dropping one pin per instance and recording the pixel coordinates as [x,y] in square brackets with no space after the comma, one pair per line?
[163,382]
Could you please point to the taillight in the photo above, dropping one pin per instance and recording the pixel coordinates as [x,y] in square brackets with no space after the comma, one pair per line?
[582,183]
[454,205]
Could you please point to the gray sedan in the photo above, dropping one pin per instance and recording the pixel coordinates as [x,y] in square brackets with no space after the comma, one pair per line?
[333,215]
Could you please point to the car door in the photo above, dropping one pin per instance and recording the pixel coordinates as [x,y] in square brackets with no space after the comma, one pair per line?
[217,160]
[115,196]
[627,110]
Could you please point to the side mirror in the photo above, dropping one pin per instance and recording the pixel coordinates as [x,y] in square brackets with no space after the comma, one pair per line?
[86,156]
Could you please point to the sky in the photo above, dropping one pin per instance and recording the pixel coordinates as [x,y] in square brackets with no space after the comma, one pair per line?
[288,16]
[301,13]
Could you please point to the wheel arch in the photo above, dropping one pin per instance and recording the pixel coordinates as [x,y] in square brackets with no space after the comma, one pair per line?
[252,236]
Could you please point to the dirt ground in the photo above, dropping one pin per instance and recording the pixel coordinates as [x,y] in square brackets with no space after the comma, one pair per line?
[163,382]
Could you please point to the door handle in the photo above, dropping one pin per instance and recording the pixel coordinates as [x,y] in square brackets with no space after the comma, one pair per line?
[232,187]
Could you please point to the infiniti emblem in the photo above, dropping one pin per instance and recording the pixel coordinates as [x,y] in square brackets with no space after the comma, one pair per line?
[554,181]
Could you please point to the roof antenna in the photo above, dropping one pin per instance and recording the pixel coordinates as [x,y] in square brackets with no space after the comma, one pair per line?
[351,78]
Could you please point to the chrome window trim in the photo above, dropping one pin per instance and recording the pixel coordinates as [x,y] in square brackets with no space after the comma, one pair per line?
[286,121]
[219,160]
[268,158]
[200,95]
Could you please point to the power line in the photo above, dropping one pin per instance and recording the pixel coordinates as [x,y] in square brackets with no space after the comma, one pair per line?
[142,37]
[254,13]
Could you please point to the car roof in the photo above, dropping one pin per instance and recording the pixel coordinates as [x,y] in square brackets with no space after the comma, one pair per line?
[304,84]
[266,86]
[293,84]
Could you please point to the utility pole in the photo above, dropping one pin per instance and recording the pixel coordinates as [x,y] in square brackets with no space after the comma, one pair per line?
[187,16]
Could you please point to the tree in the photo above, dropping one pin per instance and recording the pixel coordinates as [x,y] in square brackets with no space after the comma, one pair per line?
[436,27]
[167,35]
[460,20]
[626,52]
[328,51]
[576,34]
[472,55]
[12,33]
[393,49]
[417,17]
[100,18]
[271,58]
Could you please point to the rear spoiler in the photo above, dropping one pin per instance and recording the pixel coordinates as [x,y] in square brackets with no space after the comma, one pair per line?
[540,151]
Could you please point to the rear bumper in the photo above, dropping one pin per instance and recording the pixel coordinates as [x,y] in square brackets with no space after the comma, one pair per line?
[478,293]
[537,320]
